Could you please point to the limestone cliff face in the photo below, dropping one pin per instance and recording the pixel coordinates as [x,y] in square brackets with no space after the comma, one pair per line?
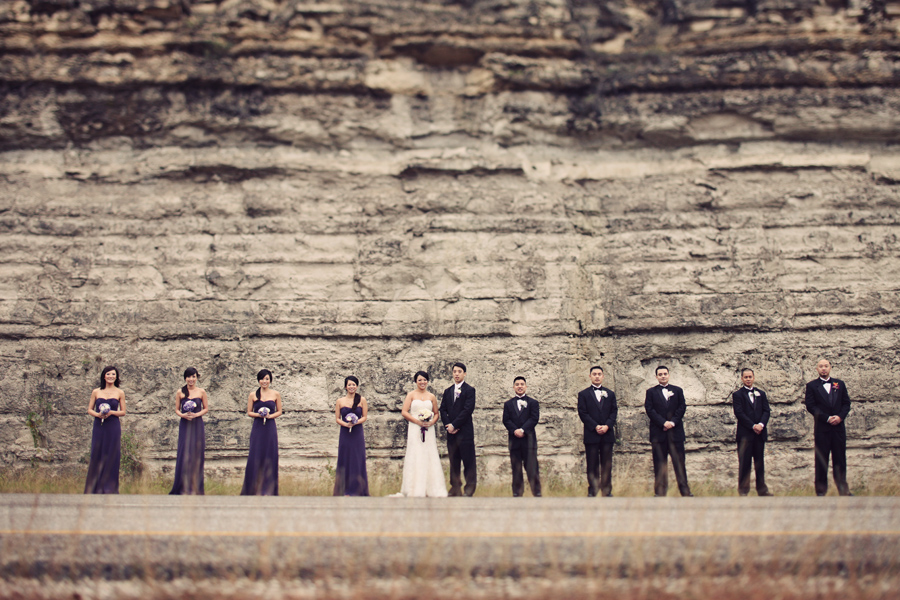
[374,188]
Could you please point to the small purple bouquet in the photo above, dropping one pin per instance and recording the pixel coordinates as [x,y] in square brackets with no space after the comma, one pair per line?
[352,419]
[263,412]
[103,409]
[188,406]
[424,415]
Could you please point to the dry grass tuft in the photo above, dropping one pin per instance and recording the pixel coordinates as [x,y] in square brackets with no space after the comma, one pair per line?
[630,480]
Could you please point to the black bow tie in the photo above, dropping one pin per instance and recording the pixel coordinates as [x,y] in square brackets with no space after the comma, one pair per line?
[598,388]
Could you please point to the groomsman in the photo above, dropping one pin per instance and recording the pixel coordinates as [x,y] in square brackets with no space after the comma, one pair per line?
[520,415]
[457,406]
[828,401]
[751,407]
[597,410]
[665,405]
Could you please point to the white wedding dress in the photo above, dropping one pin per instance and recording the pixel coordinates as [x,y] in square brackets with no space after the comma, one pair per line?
[423,474]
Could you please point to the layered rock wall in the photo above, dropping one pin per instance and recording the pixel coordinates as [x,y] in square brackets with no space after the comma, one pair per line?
[380,187]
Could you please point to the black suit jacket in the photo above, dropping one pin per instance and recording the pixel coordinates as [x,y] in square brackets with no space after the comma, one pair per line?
[749,415]
[526,419]
[661,411]
[823,405]
[459,413]
[593,413]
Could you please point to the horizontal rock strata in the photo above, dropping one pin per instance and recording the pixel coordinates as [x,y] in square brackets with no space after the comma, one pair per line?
[380,187]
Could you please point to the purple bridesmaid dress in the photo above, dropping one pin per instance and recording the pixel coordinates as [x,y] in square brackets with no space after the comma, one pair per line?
[261,475]
[351,478]
[191,453]
[106,452]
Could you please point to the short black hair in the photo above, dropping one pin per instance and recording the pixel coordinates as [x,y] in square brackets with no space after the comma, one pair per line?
[518,378]
[745,369]
[422,374]
[596,367]
[460,365]
[660,367]
[103,376]
[259,377]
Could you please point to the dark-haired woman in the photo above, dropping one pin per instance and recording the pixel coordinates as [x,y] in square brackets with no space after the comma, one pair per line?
[106,406]
[191,403]
[264,405]
[423,474]
[350,475]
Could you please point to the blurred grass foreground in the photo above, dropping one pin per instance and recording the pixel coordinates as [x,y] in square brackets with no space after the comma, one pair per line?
[304,545]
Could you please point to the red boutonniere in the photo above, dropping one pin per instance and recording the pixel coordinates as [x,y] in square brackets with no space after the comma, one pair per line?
[834,386]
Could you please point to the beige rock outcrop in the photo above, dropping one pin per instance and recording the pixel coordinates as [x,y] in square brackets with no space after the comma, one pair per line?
[376,188]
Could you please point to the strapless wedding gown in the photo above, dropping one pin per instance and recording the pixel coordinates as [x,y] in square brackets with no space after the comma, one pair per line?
[423,474]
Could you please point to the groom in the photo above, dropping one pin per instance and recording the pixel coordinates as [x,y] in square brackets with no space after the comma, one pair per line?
[457,406]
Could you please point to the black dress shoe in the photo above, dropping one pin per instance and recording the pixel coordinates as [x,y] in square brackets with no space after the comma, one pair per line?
[743,493]
[817,494]
[765,494]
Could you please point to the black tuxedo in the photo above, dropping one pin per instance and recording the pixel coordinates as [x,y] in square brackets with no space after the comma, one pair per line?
[751,445]
[598,448]
[829,439]
[460,445]
[523,450]
[667,443]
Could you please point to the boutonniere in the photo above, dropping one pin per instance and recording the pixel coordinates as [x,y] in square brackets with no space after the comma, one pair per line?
[603,394]
[667,394]
[755,393]
[834,385]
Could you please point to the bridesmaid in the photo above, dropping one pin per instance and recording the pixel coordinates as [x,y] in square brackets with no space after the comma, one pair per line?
[191,435]
[106,406]
[351,478]
[261,476]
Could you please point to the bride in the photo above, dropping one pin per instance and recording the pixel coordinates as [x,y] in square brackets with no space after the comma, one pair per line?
[423,474]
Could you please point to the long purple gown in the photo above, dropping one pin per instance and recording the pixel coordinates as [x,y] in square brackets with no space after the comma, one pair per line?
[106,452]
[191,453]
[261,476]
[351,478]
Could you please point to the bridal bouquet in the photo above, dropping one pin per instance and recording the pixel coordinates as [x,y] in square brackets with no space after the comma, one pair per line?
[103,409]
[352,419]
[424,415]
[263,412]
[188,406]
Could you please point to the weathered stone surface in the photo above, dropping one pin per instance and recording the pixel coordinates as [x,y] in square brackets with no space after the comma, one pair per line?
[380,187]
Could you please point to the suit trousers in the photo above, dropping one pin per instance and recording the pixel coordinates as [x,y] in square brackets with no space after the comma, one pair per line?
[599,468]
[519,456]
[661,450]
[751,449]
[460,451]
[831,444]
